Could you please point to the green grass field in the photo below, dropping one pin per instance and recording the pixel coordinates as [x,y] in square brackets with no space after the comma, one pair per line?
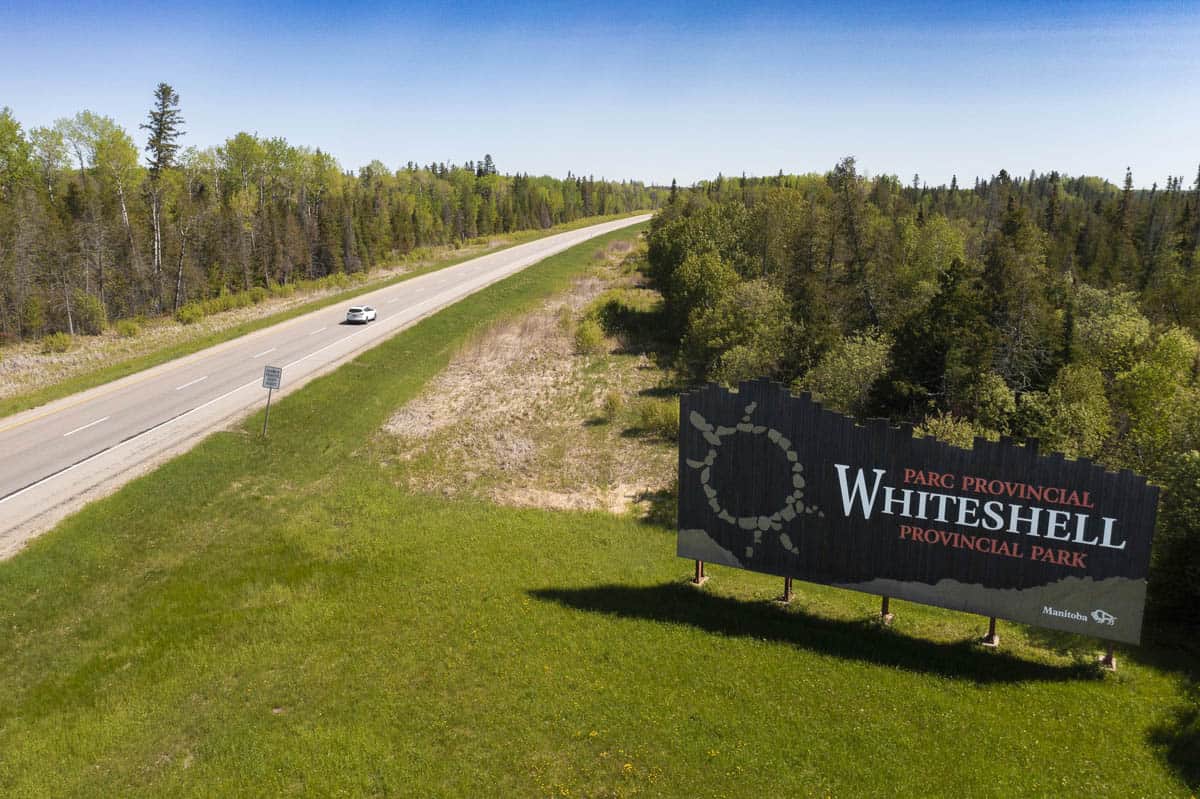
[262,618]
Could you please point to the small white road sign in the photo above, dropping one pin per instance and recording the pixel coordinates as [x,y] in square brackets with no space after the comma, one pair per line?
[272,376]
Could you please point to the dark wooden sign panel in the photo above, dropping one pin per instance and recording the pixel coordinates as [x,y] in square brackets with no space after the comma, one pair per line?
[775,483]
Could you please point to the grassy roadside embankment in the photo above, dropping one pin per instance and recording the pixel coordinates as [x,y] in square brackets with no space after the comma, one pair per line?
[90,378]
[278,617]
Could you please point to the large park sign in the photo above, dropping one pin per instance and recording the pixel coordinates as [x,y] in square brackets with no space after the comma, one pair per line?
[774,483]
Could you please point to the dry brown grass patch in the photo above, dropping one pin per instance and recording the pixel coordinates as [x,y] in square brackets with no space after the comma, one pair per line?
[520,418]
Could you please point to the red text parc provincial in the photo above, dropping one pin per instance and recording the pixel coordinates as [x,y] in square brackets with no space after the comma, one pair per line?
[994,516]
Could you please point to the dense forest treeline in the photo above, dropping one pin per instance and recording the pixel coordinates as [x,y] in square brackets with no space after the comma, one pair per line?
[1057,308]
[89,233]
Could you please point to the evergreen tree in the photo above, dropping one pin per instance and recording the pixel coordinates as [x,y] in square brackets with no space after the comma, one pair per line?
[1052,207]
[1125,207]
[165,128]
[932,351]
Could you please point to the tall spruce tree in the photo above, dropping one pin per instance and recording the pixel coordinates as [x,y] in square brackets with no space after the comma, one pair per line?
[165,126]
[1125,207]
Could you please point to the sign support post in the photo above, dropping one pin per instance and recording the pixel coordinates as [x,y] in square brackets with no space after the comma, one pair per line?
[885,615]
[272,378]
[991,639]
[700,577]
[267,418]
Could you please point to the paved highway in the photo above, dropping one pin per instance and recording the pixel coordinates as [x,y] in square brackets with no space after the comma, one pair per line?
[58,456]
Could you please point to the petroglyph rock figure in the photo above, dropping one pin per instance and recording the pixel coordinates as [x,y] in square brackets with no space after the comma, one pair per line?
[760,523]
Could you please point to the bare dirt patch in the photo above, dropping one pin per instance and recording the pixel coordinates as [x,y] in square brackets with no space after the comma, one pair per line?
[519,417]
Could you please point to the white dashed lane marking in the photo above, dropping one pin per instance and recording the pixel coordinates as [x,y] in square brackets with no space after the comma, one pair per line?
[85,427]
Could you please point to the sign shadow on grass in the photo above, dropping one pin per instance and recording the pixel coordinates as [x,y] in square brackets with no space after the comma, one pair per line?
[1178,737]
[677,603]
[1177,734]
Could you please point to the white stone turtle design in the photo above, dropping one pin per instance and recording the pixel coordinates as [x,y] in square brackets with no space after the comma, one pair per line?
[794,503]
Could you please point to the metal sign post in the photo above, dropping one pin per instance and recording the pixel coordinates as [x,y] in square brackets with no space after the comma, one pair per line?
[272,376]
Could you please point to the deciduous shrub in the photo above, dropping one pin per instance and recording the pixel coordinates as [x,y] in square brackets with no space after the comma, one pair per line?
[90,315]
[1073,416]
[1111,331]
[953,430]
[613,403]
[628,312]
[842,379]
[745,333]
[57,342]
[986,399]
[589,338]
[33,316]
[189,314]
[127,328]
[565,319]
[659,417]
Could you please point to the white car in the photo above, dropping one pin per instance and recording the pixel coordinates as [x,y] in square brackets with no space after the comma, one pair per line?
[360,314]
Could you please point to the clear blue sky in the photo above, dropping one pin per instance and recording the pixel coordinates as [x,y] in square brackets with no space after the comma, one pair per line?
[638,89]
